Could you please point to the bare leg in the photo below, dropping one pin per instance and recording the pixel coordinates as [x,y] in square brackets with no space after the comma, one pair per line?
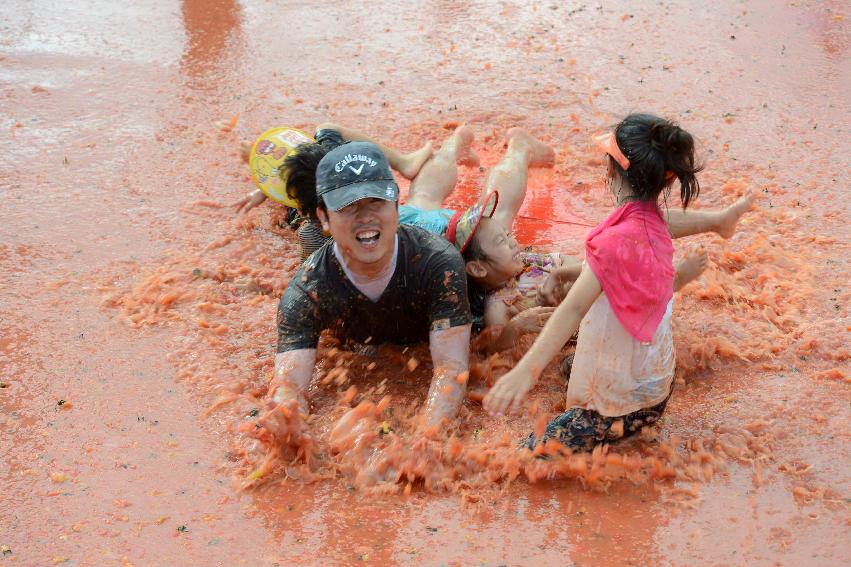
[408,165]
[510,174]
[437,177]
[690,267]
[686,223]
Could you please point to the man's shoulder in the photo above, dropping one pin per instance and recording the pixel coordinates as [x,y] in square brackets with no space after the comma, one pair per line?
[417,241]
[318,270]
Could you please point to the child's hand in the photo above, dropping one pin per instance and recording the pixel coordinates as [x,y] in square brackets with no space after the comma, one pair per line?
[531,320]
[508,392]
[549,291]
[249,201]
[558,283]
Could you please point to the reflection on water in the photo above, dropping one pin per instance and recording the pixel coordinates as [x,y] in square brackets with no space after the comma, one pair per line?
[213,41]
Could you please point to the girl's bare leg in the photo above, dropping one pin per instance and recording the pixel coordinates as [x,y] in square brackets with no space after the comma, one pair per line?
[687,223]
[437,177]
[509,176]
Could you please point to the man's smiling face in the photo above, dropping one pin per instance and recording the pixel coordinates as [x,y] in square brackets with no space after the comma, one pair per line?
[365,233]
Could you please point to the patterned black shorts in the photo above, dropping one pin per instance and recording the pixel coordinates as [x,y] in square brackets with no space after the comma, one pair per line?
[581,430]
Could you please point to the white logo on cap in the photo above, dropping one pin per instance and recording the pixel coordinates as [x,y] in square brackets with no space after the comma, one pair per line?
[358,170]
[389,191]
[338,167]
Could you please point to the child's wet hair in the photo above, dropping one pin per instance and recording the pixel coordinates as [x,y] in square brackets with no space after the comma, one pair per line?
[655,146]
[474,251]
[300,168]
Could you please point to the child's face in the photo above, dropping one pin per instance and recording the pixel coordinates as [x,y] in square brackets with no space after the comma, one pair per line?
[502,256]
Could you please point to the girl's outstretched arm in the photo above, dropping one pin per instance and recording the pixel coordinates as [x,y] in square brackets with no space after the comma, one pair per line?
[509,391]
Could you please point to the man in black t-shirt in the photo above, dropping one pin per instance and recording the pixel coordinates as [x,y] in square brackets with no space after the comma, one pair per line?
[424,293]
[375,282]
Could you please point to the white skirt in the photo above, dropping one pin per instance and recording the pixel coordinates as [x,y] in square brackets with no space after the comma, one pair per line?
[614,374]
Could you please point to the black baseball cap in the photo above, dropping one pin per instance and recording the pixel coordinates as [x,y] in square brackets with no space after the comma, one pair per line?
[354,171]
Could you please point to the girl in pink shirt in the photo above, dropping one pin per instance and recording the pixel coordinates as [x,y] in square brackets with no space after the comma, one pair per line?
[623,368]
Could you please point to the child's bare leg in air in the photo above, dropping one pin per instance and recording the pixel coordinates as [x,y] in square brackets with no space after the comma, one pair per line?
[509,176]
[408,165]
[437,176]
[723,222]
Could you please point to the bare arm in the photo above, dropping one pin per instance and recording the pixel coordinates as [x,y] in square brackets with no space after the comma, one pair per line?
[406,164]
[450,354]
[510,390]
[286,401]
[248,202]
[293,370]
[507,330]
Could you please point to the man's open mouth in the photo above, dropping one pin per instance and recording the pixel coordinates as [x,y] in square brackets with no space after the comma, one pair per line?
[368,238]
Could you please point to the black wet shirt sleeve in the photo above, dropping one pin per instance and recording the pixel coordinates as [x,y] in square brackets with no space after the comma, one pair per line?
[476,296]
[447,290]
[298,320]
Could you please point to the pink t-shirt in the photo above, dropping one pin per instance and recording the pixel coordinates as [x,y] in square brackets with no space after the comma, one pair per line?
[632,255]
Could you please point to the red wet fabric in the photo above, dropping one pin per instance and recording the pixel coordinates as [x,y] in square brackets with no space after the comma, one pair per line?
[632,255]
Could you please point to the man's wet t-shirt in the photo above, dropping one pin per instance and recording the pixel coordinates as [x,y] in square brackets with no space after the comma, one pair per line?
[428,291]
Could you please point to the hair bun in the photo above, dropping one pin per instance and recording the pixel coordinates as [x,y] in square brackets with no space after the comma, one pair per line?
[667,137]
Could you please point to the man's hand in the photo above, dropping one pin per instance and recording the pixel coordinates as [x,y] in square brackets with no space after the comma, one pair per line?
[283,423]
[249,201]
[508,392]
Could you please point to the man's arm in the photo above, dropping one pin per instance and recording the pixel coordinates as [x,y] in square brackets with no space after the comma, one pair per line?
[298,336]
[450,354]
[449,336]
[293,370]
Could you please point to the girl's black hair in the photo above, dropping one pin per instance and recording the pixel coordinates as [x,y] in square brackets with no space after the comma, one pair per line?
[654,146]
[474,250]
[300,170]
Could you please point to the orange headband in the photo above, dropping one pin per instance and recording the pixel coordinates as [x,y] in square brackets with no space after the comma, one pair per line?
[608,144]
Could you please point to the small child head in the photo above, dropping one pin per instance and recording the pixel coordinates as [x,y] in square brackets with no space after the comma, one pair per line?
[299,173]
[493,258]
[653,152]
[490,252]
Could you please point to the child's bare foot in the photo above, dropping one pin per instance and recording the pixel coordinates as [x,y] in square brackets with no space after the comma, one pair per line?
[410,164]
[691,266]
[462,143]
[731,215]
[540,154]
[245,150]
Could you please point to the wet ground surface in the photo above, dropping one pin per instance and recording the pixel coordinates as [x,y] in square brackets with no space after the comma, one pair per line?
[113,346]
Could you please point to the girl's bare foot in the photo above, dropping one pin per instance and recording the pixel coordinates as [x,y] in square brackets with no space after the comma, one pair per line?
[462,140]
[730,216]
[540,154]
[691,266]
[410,164]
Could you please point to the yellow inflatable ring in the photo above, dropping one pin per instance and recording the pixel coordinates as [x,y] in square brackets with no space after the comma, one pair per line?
[267,154]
